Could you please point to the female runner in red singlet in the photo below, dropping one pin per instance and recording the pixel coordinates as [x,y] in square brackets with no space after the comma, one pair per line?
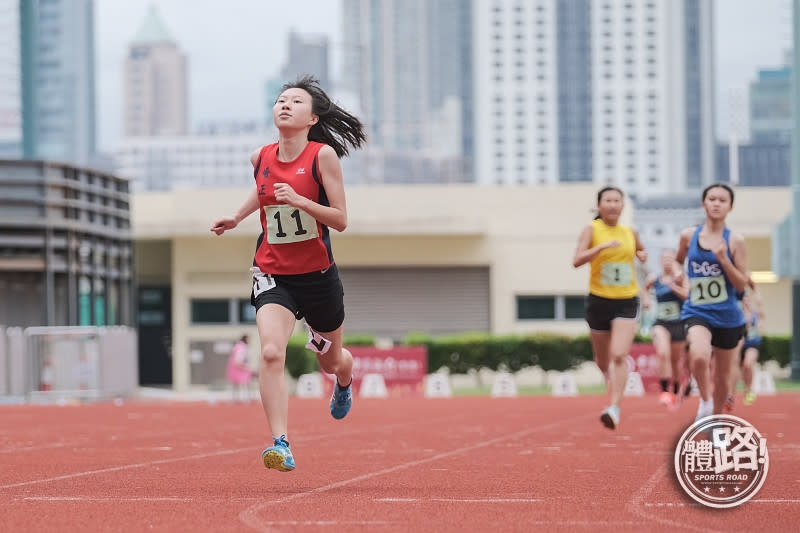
[299,193]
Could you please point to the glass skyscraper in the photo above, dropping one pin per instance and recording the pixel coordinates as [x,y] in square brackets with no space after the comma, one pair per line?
[58,81]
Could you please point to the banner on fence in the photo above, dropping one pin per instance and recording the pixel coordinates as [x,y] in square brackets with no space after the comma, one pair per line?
[643,359]
[403,368]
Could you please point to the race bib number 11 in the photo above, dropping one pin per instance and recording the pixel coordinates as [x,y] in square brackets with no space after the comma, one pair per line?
[287,224]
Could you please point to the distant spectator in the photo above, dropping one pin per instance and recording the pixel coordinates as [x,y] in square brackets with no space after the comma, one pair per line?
[239,373]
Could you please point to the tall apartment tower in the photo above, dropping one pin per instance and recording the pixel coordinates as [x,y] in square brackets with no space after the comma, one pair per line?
[155,88]
[57,79]
[409,63]
[308,54]
[605,91]
[10,81]
[771,114]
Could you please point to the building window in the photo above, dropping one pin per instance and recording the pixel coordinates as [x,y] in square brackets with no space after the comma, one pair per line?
[209,311]
[247,313]
[574,307]
[536,307]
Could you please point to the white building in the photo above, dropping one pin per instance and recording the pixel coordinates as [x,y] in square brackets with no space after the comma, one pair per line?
[10,99]
[188,161]
[409,62]
[156,96]
[56,58]
[607,91]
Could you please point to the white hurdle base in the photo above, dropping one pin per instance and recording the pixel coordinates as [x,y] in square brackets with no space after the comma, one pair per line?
[309,386]
[373,386]
[437,385]
[763,383]
[504,385]
[634,386]
[564,385]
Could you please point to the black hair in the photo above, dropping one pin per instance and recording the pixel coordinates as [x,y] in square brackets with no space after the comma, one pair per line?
[336,127]
[244,338]
[604,190]
[718,186]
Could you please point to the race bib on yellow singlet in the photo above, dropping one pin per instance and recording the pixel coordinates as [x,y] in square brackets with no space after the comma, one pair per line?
[287,224]
[617,274]
[708,290]
[669,310]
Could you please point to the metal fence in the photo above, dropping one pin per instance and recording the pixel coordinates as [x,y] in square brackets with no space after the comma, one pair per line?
[43,364]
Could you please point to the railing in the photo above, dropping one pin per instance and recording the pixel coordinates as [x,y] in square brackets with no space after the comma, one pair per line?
[46,364]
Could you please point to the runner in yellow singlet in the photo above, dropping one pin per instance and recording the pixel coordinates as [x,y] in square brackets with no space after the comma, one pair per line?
[612,306]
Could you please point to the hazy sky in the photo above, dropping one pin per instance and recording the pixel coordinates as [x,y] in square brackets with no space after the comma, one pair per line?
[233,46]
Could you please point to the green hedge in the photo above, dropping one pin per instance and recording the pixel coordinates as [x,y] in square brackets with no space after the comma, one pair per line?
[465,351]
[777,347]
[301,361]
[460,353]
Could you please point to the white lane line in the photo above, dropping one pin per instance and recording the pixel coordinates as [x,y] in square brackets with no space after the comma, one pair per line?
[695,504]
[584,523]
[328,523]
[637,507]
[459,500]
[41,447]
[100,500]
[671,504]
[250,516]
[125,467]
[178,459]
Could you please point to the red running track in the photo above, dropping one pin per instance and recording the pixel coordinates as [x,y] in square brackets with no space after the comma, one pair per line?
[443,465]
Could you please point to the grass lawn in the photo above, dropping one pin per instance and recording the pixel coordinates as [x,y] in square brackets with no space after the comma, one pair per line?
[787,385]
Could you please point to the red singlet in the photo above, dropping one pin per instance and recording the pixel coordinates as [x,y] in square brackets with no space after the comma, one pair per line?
[291,241]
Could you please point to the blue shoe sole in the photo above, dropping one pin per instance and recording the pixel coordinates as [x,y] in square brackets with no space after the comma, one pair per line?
[339,416]
[339,412]
[276,461]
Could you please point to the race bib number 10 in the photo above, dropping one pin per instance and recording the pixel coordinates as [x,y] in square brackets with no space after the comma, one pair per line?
[287,224]
[708,290]
[617,274]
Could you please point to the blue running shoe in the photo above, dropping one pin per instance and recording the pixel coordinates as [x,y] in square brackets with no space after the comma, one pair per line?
[279,456]
[610,417]
[341,400]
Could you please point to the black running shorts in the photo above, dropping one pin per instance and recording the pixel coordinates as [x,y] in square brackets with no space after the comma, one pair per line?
[317,296]
[601,311]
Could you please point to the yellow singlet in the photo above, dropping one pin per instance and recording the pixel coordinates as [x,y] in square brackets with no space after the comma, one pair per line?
[612,272]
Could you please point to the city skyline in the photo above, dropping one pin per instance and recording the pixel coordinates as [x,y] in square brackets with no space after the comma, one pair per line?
[215,76]
[230,54]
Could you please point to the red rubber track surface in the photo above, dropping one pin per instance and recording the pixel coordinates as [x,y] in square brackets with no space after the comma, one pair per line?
[459,464]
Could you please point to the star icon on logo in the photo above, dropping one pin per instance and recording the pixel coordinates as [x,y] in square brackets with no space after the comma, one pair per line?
[722,489]
[736,489]
[708,489]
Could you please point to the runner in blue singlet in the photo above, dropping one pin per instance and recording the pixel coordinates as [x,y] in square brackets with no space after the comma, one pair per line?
[716,259]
